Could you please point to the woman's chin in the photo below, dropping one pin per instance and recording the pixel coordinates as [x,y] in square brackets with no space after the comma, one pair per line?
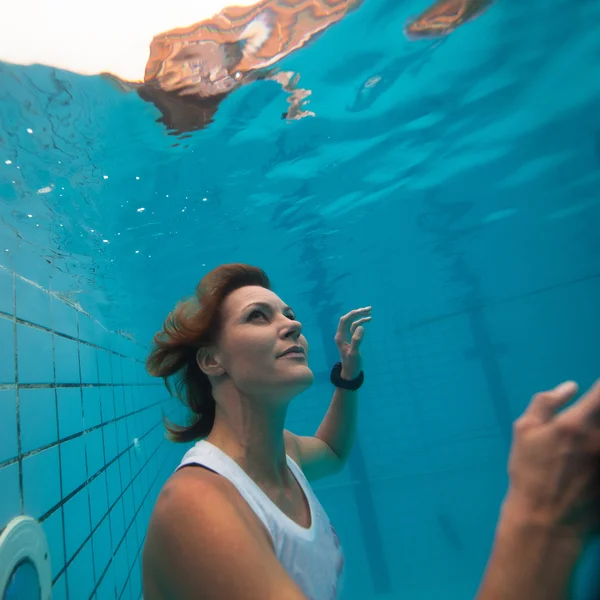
[301,377]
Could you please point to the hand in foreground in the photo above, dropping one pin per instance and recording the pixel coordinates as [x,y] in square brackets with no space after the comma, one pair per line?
[552,503]
[554,465]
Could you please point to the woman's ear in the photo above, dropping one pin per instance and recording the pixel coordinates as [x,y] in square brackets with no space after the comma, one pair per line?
[208,363]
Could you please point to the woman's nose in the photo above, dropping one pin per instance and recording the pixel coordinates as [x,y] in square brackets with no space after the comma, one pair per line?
[293,330]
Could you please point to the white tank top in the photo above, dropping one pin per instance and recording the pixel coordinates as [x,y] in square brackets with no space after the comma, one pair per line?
[312,557]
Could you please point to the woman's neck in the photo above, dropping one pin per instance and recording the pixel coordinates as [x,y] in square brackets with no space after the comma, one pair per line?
[252,435]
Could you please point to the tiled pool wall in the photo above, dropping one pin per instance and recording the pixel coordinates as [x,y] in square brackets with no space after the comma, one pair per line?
[82,447]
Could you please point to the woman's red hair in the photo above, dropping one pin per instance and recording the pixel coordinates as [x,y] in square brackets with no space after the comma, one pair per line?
[193,324]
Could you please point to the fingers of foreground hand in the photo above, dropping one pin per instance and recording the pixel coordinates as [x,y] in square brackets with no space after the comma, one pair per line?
[585,413]
[544,405]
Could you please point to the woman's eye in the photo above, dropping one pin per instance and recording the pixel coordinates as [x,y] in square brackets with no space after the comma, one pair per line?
[256,314]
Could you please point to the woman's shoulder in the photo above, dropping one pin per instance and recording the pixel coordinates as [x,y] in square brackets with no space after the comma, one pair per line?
[202,498]
[195,489]
[196,509]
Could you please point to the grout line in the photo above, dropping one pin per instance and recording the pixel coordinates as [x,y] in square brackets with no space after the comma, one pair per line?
[60,482]
[150,487]
[107,515]
[63,501]
[36,386]
[75,306]
[18,406]
[33,386]
[140,547]
[123,489]
[70,437]
[33,325]
[486,305]
[141,544]
[131,466]
[89,500]
[139,473]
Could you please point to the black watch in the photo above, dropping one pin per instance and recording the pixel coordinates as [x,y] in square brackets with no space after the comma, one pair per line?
[336,379]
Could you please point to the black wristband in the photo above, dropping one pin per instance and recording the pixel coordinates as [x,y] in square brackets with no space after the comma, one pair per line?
[336,379]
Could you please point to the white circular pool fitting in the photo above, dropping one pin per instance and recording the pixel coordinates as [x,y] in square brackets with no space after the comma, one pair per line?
[24,544]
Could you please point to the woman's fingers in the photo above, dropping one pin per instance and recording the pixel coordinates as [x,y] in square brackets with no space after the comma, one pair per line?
[358,323]
[544,405]
[584,416]
[347,319]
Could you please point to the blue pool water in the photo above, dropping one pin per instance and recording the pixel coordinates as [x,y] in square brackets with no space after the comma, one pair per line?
[454,186]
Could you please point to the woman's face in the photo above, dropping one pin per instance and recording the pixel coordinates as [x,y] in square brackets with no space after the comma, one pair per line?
[261,346]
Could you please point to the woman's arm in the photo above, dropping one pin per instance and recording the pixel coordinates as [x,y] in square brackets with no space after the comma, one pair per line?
[327,451]
[529,559]
[552,504]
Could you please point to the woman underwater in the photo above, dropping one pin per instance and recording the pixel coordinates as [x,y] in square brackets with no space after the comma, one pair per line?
[238,519]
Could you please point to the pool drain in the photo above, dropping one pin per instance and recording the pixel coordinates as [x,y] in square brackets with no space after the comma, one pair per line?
[24,561]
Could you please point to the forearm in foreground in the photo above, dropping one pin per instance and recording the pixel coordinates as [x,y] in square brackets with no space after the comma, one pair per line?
[530,560]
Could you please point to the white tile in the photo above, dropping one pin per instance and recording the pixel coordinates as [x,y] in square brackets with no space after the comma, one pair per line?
[66,357]
[110,441]
[41,482]
[87,332]
[91,407]
[7,300]
[113,477]
[94,449]
[133,549]
[77,522]
[117,524]
[10,504]
[121,568]
[37,409]
[29,263]
[102,546]
[81,573]
[98,499]
[35,357]
[64,318]
[104,367]
[128,506]
[7,350]
[128,397]
[102,336]
[33,304]
[70,418]
[120,406]
[8,423]
[136,580]
[88,363]
[125,470]
[53,528]
[59,589]
[72,456]
[122,435]
[129,374]
[116,370]
[106,589]
[117,343]
[108,403]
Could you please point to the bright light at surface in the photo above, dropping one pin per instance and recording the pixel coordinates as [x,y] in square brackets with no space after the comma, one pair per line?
[113,36]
